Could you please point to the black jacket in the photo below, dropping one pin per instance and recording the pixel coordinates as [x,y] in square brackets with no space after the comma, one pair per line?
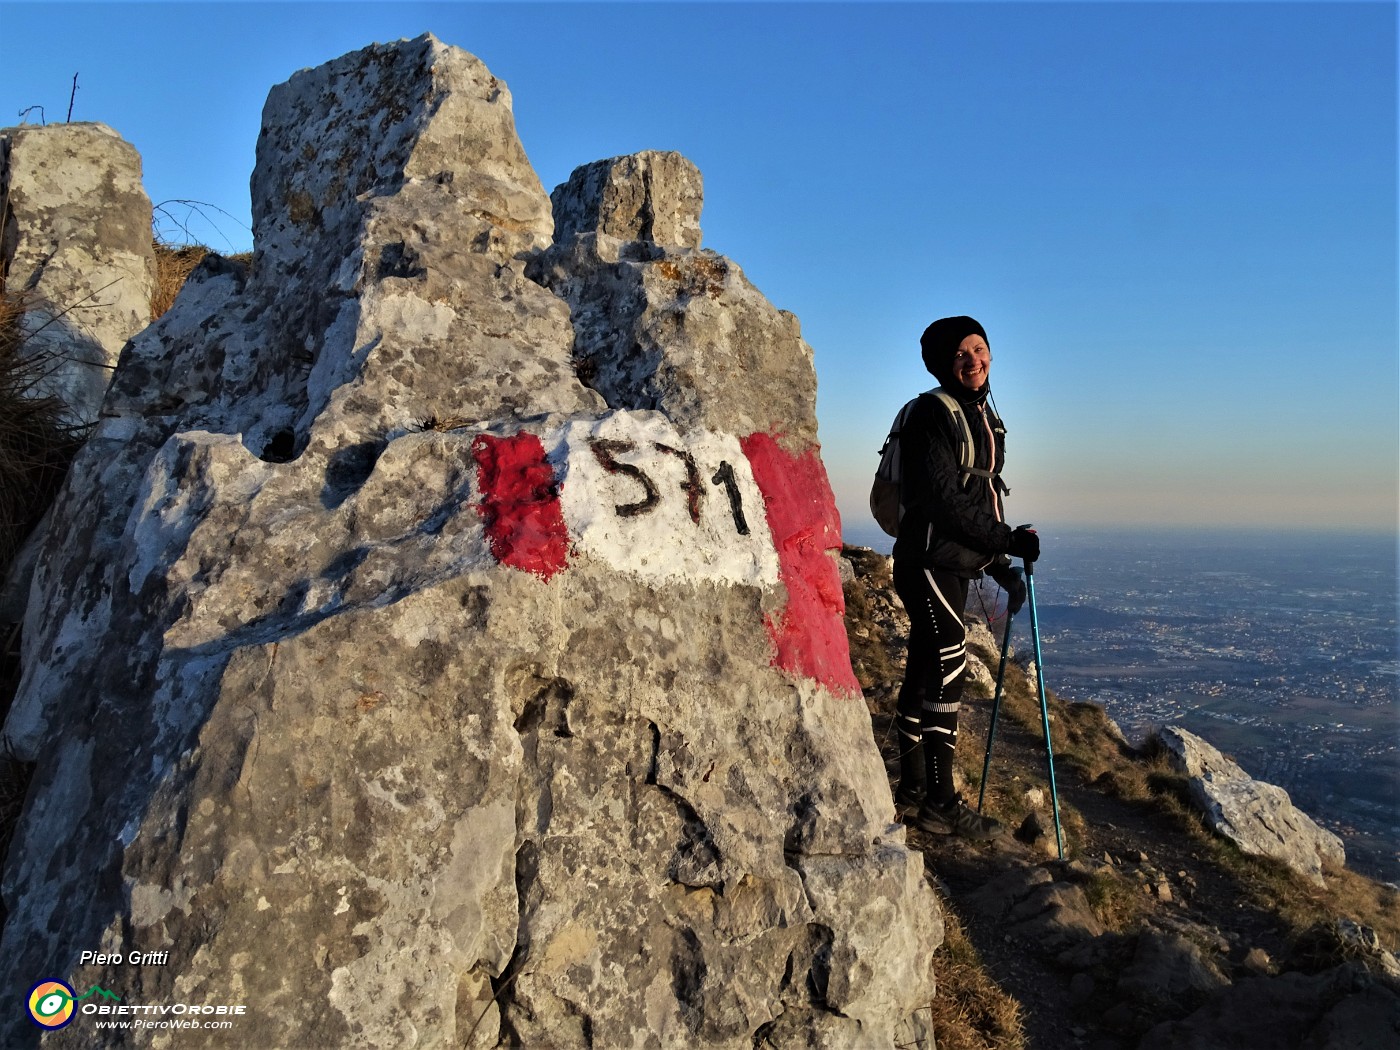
[948,524]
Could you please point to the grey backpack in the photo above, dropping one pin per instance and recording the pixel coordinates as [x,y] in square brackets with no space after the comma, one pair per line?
[886,504]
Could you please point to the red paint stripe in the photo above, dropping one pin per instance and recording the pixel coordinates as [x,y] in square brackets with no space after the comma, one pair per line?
[809,634]
[520,504]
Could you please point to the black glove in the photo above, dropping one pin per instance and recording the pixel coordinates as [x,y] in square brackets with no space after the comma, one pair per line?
[1024,544]
[1011,581]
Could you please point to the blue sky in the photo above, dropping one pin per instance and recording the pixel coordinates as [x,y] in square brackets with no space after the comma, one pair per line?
[1177,221]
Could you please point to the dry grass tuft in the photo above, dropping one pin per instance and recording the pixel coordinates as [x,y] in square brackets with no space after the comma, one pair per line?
[174,264]
[970,1010]
[1325,945]
[1115,902]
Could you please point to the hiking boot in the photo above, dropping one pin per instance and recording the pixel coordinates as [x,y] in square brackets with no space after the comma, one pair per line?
[908,799]
[955,818]
[912,781]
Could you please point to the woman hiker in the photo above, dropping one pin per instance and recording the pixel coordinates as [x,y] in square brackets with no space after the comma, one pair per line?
[952,530]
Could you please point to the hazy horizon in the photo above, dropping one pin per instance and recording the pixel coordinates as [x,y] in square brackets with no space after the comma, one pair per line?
[869,531]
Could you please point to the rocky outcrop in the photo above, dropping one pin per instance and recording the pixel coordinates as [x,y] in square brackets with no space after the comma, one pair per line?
[1169,969]
[1346,1006]
[1034,905]
[661,324]
[445,644]
[1260,818]
[76,250]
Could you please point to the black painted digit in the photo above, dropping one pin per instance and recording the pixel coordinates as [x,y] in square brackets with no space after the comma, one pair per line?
[725,476]
[607,451]
[694,491]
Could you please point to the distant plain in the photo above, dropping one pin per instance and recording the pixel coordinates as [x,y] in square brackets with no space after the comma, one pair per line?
[1279,648]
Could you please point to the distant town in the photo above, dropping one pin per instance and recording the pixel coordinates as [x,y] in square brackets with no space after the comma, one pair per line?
[1288,664]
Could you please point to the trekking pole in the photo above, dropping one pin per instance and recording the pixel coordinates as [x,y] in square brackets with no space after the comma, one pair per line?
[996,706]
[1044,710]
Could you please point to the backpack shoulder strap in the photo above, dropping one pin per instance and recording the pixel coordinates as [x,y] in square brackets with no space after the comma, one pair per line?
[967,452]
[965,447]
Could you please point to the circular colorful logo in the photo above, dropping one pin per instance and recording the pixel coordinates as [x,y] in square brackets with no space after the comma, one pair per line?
[51,1004]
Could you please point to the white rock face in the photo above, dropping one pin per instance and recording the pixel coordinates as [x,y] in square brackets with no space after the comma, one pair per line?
[615,199]
[664,324]
[424,665]
[1260,818]
[77,247]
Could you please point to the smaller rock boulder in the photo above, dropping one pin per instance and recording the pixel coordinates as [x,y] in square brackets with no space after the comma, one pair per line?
[1167,968]
[1052,915]
[652,196]
[1260,818]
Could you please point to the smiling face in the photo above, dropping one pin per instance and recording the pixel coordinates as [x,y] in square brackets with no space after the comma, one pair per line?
[972,362]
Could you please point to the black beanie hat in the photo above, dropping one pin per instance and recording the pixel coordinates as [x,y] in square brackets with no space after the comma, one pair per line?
[940,342]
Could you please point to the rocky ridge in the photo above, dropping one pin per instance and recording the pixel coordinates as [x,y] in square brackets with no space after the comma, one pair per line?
[1148,935]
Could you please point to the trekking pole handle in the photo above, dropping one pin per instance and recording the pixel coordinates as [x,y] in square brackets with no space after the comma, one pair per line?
[1028,562]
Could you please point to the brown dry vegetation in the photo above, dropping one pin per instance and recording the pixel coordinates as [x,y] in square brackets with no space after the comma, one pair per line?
[1116,902]
[174,264]
[970,1011]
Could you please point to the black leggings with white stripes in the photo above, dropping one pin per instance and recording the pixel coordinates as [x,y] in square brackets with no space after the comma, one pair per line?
[932,690]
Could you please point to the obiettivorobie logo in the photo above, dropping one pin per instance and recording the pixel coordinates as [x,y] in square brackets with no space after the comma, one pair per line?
[51,1003]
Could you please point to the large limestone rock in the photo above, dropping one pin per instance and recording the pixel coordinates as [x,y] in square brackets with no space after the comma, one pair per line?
[1260,818]
[445,648]
[76,247]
